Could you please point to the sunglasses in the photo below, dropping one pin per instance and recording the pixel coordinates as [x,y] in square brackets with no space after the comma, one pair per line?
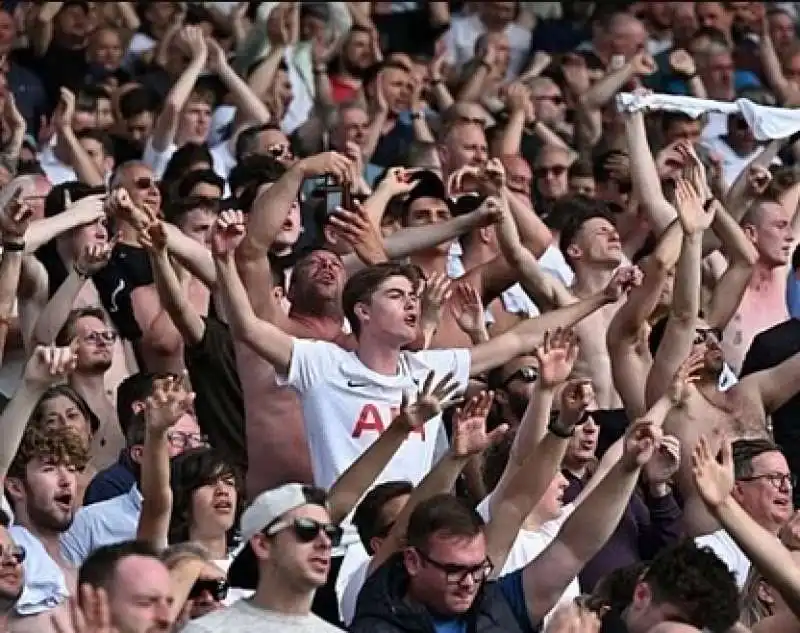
[15,553]
[555,99]
[556,170]
[703,335]
[525,374]
[144,183]
[217,588]
[457,574]
[306,530]
[109,337]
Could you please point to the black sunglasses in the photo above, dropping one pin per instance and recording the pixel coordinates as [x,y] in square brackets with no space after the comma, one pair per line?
[306,530]
[457,574]
[217,588]
[556,170]
[144,183]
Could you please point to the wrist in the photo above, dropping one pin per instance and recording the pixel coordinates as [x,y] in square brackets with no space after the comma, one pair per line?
[13,245]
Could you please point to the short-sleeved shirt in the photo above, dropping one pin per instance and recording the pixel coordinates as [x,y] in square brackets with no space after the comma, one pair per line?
[346,406]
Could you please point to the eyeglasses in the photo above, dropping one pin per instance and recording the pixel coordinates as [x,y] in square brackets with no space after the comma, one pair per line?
[703,335]
[457,574]
[306,530]
[14,553]
[525,374]
[556,170]
[779,481]
[144,183]
[182,440]
[217,588]
[109,337]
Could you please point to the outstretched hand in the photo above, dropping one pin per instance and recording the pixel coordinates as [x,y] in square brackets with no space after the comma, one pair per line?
[714,478]
[622,282]
[430,401]
[556,355]
[469,427]
[49,365]
[170,400]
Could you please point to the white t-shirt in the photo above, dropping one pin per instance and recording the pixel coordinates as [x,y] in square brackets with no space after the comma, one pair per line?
[529,544]
[348,596]
[346,406]
[244,617]
[728,552]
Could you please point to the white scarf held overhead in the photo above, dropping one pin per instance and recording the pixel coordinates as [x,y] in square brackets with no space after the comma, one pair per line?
[766,122]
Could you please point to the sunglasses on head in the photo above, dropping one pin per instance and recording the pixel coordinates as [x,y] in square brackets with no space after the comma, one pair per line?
[217,588]
[306,530]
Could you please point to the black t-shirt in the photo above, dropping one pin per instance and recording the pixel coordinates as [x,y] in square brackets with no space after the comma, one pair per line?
[768,349]
[59,67]
[219,403]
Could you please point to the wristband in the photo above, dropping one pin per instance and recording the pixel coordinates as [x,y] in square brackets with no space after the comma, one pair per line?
[13,247]
[558,429]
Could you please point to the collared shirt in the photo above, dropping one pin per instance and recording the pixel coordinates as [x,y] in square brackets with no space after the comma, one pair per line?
[111,482]
[100,524]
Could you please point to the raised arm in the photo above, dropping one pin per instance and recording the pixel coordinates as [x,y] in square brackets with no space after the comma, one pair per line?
[715,480]
[626,336]
[52,318]
[522,338]
[591,524]
[249,105]
[84,166]
[775,386]
[742,257]
[171,293]
[270,342]
[166,126]
[536,454]
[644,174]
[470,440]
[42,27]
[84,211]
[171,399]
[15,217]
[353,483]
[787,92]
[46,367]
[680,330]
[195,257]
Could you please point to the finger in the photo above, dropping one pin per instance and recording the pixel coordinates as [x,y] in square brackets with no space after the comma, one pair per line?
[445,384]
[496,436]
[426,386]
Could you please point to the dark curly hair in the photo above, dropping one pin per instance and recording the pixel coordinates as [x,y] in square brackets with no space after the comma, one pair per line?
[695,581]
[55,444]
[191,470]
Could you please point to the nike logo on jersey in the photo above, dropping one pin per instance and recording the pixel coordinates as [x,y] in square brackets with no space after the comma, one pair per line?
[353,384]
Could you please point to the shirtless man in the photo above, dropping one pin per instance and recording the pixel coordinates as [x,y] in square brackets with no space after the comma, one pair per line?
[490,274]
[42,489]
[591,244]
[769,226]
[688,344]
[94,343]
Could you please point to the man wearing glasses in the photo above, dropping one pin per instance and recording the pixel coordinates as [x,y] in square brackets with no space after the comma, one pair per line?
[763,488]
[288,531]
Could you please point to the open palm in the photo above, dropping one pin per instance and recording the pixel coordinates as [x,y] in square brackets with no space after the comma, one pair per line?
[430,401]
[714,479]
[556,355]
[469,427]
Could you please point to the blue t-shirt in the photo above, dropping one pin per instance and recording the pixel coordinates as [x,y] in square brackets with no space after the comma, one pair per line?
[511,587]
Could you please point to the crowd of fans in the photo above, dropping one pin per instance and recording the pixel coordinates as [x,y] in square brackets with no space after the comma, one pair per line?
[399,317]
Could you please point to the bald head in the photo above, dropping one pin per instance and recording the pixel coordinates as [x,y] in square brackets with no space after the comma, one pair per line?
[627,35]
[673,627]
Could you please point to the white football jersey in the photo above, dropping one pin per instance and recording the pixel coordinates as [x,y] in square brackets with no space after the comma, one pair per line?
[346,406]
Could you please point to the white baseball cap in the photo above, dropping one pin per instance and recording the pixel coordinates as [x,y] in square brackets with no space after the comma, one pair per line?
[271,505]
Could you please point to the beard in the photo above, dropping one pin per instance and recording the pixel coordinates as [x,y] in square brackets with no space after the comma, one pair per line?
[46,516]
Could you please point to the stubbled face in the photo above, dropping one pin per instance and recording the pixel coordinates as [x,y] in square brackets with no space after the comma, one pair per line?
[392,312]
[49,492]
[302,566]
[141,598]
[782,30]
[767,496]
[319,276]
[358,50]
[583,445]
[397,89]
[442,592]
[353,125]
[707,341]
[95,345]
[11,572]
[214,507]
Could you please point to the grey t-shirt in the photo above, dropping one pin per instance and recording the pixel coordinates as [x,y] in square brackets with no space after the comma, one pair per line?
[243,617]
